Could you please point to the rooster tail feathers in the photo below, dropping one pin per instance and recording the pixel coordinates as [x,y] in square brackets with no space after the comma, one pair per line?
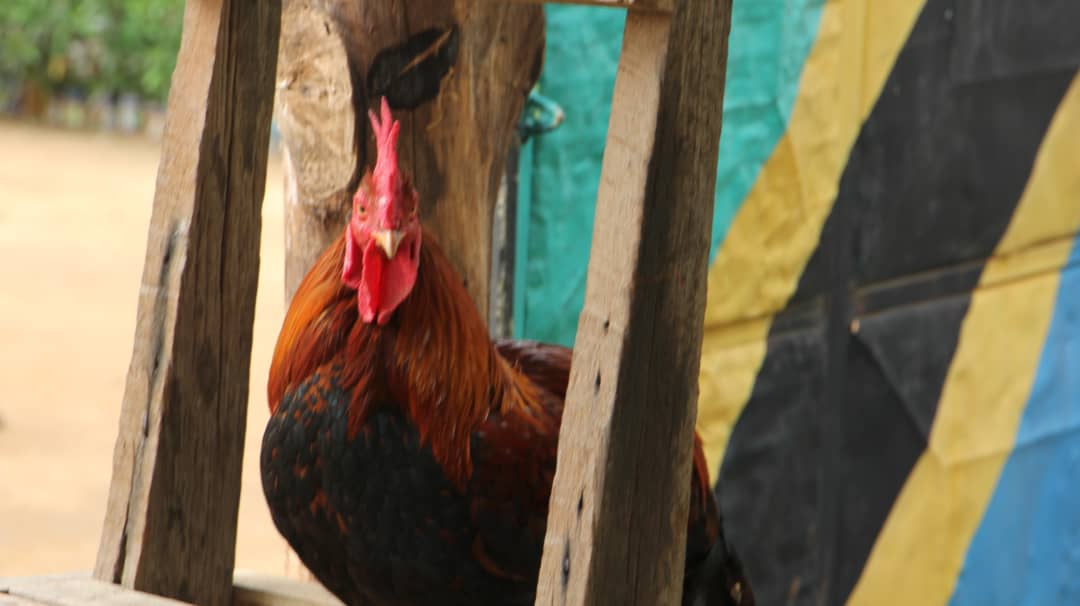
[719,580]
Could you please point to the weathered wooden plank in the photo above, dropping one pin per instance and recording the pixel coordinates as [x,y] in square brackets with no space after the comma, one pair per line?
[170,526]
[7,599]
[649,6]
[620,496]
[457,73]
[250,589]
[71,589]
[75,589]
[14,600]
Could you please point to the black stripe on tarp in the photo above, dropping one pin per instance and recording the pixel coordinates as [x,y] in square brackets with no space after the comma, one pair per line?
[838,416]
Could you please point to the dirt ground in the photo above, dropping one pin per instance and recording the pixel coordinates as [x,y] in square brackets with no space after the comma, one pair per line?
[74,211]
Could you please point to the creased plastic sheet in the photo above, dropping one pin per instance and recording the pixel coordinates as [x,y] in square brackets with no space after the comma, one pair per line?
[770,40]
[867,371]
[777,227]
[989,391]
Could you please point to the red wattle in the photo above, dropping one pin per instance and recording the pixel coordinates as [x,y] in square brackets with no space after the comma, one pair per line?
[381,284]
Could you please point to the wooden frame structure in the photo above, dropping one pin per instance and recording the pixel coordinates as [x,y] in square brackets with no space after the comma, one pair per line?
[625,446]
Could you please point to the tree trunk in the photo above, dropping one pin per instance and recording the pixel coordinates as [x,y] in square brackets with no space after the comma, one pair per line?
[456,73]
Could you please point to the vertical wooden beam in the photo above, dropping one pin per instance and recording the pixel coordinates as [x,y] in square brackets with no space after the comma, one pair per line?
[170,526]
[617,526]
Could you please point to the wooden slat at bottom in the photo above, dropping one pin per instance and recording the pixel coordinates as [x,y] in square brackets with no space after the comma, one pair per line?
[73,589]
[76,589]
[6,599]
[251,589]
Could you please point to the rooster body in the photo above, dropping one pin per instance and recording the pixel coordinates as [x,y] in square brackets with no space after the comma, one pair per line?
[408,459]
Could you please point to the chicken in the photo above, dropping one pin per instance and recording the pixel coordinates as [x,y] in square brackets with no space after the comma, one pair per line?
[408,459]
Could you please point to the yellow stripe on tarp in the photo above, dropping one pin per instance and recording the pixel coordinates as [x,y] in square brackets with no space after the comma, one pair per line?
[920,550]
[778,225]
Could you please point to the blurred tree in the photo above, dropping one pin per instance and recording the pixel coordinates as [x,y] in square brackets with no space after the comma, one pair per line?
[88,46]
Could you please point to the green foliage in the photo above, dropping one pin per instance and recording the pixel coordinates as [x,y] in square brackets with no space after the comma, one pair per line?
[95,46]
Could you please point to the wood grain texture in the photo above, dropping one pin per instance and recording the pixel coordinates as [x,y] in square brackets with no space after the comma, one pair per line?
[250,589]
[170,524]
[75,589]
[616,529]
[7,599]
[313,108]
[454,145]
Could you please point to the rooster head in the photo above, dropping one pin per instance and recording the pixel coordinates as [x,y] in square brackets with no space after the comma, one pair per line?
[382,241]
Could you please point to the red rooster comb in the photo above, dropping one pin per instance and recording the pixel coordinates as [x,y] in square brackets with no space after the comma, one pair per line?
[385,175]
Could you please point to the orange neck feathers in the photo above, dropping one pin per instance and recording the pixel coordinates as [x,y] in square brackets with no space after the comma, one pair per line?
[434,358]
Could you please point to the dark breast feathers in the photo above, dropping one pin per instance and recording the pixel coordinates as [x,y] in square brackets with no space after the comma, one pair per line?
[373,517]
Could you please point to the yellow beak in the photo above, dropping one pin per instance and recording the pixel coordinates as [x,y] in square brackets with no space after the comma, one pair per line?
[388,240]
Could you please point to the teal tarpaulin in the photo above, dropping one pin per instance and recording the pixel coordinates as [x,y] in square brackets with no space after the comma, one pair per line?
[770,40]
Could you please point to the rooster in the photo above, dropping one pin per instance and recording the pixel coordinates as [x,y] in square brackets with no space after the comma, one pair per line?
[408,459]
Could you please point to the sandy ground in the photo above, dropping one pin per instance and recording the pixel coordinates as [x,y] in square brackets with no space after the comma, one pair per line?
[74,211]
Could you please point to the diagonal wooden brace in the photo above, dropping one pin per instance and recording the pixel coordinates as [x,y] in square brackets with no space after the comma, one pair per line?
[170,526]
[617,525]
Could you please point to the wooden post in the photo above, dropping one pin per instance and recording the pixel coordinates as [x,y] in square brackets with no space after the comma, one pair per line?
[457,73]
[170,526]
[617,526]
